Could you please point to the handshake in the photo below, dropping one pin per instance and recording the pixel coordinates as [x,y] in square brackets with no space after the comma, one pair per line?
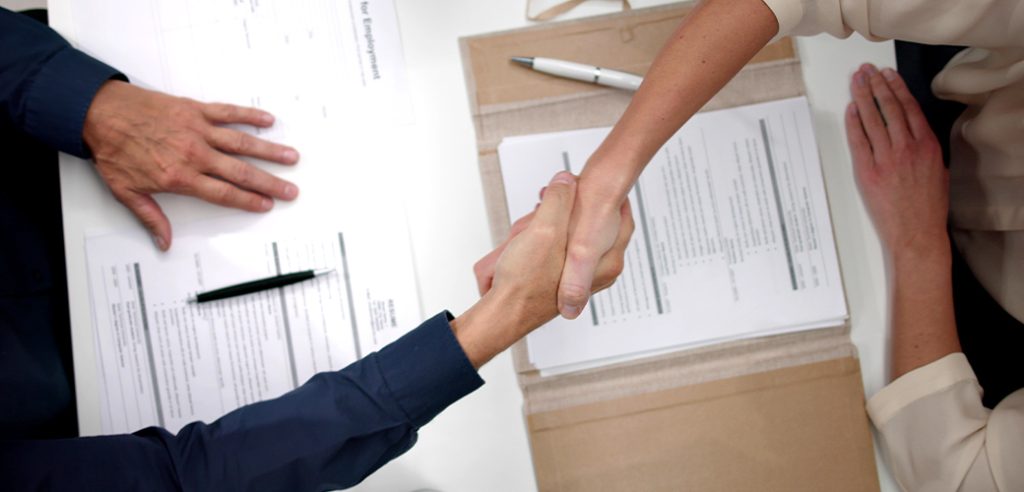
[540,271]
[571,246]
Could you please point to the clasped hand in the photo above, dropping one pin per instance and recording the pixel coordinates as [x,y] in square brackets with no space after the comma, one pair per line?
[146,142]
[519,280]
[599,231]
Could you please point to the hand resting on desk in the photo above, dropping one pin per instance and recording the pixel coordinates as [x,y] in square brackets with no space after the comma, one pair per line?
[146,142]
[898,165]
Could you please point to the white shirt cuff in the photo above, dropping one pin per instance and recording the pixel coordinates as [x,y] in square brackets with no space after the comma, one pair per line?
[919,383]
[788,13]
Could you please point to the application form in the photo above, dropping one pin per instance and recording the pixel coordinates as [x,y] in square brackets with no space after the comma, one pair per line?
[167,362]
[313,62]
[733,236]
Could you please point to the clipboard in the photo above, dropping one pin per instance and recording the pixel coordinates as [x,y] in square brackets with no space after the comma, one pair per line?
[782,412]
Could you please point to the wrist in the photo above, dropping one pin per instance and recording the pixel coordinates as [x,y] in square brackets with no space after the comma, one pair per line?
[602,185]
[612,171]
[929,256]
[490,326]
[97,124]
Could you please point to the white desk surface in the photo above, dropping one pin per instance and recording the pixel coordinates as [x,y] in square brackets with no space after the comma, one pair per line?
[480,442]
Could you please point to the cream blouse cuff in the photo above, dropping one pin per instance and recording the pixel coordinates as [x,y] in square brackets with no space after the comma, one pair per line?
[914,385]
[788,13]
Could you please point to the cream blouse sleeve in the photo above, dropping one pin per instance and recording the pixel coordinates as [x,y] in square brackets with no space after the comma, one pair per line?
[977,23]
[938,436]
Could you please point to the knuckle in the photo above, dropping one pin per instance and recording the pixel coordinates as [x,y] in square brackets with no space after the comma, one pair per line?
[609,272]
[230,112]
[579,252]
[618,265]
[172,179]
[254,201]
[182,109]
[241,143]
[900,148]
[557,191]
[545,232]
[192,149]
[243,174]
[226,194]
[185,115]
[478,268]
[573,292]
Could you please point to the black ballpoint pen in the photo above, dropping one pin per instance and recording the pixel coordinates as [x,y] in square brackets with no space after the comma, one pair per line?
[257,285]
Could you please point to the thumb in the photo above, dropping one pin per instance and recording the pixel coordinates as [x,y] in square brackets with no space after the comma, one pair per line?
[577,277]
[556,210]
[556,207]
[152,217]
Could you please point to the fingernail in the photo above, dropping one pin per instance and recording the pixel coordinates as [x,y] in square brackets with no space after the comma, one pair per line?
[569,311]
[266,204]
[267,118]
[889,74]
[870,69]
[289,155]
[564,177]
[290,192]
[160,243]
[859,79]
[542,192]
[852,108]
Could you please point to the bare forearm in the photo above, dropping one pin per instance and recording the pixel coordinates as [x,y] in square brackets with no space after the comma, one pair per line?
[923,324]
[710,46]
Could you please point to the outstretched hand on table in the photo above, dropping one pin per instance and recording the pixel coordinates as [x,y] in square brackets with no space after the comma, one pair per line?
[146,142]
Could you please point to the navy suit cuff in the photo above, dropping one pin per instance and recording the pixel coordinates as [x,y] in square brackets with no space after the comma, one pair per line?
[427,370]
[60,97]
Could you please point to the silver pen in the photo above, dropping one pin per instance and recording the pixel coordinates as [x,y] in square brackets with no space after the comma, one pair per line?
[581,72]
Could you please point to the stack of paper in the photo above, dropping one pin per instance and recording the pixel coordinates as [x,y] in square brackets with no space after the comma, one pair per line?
[168,362]
[733,237]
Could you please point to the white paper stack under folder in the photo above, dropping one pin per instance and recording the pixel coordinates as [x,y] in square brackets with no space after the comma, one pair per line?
[733,237]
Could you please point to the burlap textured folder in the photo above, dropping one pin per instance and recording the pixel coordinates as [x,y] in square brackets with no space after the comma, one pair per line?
[774,413]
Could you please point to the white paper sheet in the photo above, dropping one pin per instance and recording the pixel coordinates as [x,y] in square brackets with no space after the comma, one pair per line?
[168,362]
[733,237]
[310,62]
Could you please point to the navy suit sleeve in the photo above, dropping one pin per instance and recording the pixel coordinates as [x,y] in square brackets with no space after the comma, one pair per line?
[327,434]
[46,86]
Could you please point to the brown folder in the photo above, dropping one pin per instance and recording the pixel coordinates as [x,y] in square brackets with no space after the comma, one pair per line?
[784,412]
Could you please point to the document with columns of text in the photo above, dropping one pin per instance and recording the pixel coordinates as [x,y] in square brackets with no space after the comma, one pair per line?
[733,237]
[167,362]
[310,62]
